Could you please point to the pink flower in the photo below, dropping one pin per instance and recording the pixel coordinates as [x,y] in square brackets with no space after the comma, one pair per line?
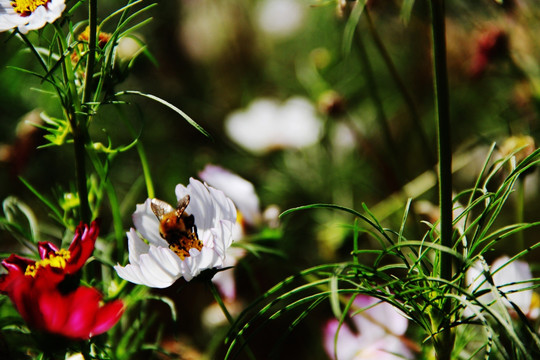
[43,293]
[378,334]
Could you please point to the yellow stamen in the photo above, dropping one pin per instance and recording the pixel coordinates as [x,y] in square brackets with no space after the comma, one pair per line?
[184,245]
[27,7]
[57,259]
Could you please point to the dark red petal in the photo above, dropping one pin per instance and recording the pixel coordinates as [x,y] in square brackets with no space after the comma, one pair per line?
[17,263]
[107,316]
[82,246]
[45,248]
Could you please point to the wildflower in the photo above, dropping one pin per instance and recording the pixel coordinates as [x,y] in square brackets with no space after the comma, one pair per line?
[513,279]
[57,263]
[29,15]
[378,334]
[160,263]
[47,297]
[268,125]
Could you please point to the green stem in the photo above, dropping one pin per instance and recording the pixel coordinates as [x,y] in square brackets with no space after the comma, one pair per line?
[90,63]
[221,304]
[77,120]
[520,211]
[445,341]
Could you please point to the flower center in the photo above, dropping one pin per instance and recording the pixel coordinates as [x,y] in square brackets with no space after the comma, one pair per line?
[27,7]
[58,259]
[183,244]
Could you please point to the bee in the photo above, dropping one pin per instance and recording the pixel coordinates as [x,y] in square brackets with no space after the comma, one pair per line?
[176,226]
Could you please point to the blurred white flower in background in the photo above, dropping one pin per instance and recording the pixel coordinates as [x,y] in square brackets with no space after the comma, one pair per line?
[280,18]
[378,334]
[513,279]
[156,264]
[238,189]
[268,125]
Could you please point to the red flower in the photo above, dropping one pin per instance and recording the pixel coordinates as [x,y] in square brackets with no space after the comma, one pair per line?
[45,296]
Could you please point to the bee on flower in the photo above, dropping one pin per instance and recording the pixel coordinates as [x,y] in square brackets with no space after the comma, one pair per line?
[179,241]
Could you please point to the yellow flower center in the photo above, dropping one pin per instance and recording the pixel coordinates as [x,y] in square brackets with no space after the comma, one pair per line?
[27,7]
[57,259]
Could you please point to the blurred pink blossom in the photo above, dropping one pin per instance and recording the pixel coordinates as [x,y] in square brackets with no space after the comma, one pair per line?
[378,334]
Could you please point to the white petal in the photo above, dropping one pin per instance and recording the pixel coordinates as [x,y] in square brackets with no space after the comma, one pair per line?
[147,224]
[239,190]
[136,246]
[154,272]
[516,271]
[41,15]
[201,205]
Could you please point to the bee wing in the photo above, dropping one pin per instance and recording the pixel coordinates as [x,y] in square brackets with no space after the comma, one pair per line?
[182,205]
[160,208]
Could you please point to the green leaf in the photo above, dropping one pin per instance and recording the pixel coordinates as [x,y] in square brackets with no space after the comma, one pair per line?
[170,106]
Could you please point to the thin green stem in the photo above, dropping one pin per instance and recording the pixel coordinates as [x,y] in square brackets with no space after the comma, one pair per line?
[77,120]
[90,63]
[445,341]
[520,207]
[221,304]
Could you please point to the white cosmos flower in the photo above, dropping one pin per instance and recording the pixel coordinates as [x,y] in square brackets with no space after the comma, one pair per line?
[268,125]
[154,264]
[29,15]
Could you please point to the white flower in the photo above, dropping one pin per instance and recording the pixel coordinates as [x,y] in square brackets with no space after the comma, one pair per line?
[154,264]
[280,18]
[238,189]
[29,15]
[267,125]
[377,336]
[512,279]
